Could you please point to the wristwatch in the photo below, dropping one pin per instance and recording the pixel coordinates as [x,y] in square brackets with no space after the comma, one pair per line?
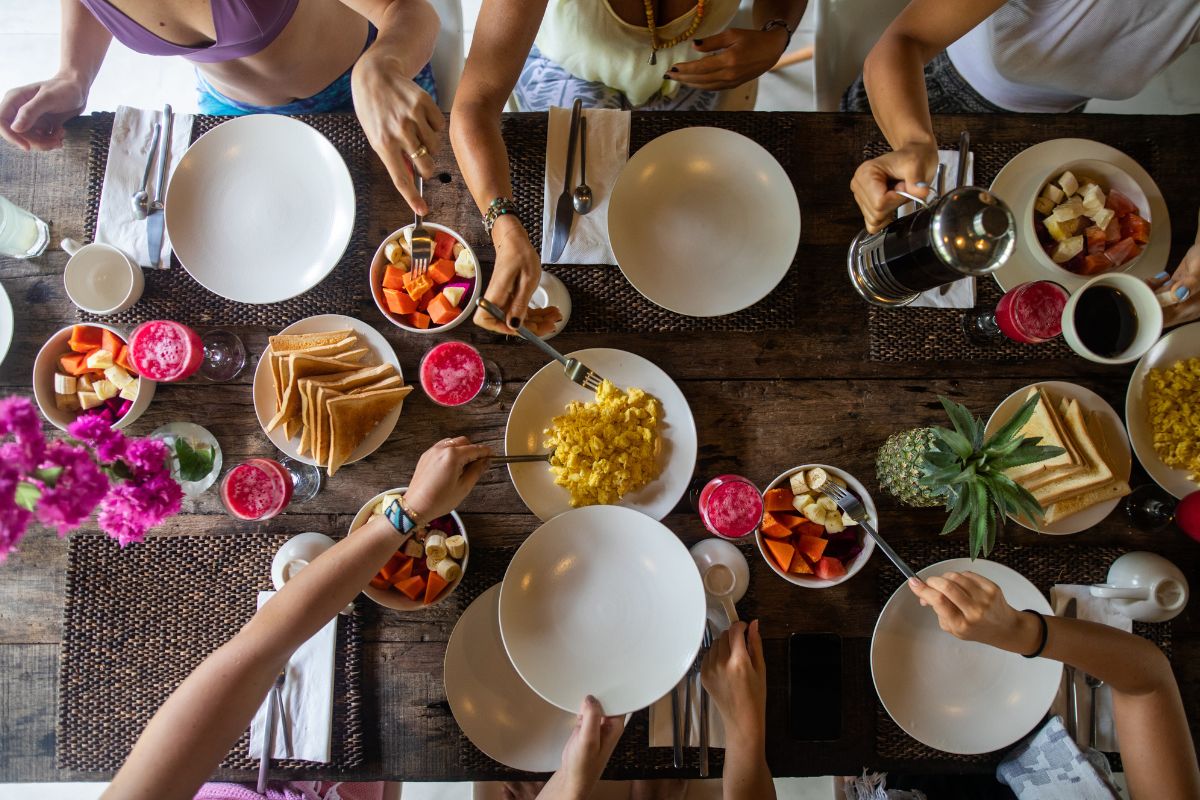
[772,24]
[402,519]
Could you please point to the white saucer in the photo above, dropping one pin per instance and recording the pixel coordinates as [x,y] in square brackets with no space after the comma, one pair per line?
[710,552]
[553,292]
[295,554]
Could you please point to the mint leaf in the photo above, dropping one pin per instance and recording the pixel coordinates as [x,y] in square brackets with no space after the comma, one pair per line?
[194,462]
[27,496]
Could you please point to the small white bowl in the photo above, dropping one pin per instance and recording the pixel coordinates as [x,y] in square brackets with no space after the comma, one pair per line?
[380,262]
[100,279]
[811,581]
[391,598]
[1109,177]
[46,364]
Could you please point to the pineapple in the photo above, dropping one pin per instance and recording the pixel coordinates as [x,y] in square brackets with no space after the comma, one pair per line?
[960,470]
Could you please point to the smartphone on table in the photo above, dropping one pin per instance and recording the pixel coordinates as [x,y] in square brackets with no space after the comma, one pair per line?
[815,686]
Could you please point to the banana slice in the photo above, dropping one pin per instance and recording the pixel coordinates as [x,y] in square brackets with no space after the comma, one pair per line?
[848,520]
[435,546]
[802,500]
[414,549]
[834,525]
[828,504]
[432,563]
[816,478]
[839,481]
[457,546]
[814,513]
[798,484]
[449,570]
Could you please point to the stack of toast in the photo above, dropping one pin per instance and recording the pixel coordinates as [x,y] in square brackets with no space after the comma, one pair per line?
[329,393]
[1083,475]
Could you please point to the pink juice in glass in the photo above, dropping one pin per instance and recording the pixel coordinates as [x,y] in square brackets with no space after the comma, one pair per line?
[452,373]
[257,490]
[162,350]
[1032,312]
[731,506]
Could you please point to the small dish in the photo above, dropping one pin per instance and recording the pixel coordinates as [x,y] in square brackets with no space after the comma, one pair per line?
[379,264]
[100,279]
[553,292]
[296,554]
[708,553]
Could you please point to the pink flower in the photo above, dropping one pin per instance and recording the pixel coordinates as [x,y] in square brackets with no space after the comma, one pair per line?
[108,443]
[135,506]
[14,520]
[19,419]
[146,457]
[75,493]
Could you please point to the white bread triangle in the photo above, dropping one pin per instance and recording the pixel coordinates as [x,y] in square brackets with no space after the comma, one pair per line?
[1098,472]
[1044,423]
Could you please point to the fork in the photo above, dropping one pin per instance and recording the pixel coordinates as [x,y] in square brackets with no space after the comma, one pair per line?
[688,680]
[708,640]
[422,242]
[853,506]
[575,369]
[274,701]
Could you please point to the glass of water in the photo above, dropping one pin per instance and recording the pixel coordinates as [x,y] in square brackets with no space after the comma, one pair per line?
[22,235]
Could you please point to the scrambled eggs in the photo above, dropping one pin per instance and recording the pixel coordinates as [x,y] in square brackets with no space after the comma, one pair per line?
[605,449]
[1173,403]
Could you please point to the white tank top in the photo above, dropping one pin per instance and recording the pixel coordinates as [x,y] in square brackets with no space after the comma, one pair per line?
[588,40]
[1053,55]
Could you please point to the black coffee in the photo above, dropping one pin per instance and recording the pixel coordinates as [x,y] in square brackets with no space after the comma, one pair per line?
[1106,321]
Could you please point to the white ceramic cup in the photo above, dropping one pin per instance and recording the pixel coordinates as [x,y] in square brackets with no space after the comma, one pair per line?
[100,279]
[720,583]
[1145,305]
[1145,587]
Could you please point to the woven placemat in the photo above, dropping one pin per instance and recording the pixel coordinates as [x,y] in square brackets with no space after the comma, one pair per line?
[935,334]
[137,621]
[174,294]
[1044,566]
[602,300]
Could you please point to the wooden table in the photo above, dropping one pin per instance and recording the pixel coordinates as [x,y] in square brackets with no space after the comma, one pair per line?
[763,403]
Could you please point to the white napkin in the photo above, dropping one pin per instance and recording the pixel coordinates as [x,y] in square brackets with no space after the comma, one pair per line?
[661,734]
[1093,609]
[607,152]
[961,293]
[307,701]
[127,153]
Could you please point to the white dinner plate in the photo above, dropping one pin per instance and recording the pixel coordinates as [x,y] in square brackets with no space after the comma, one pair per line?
[260,209]
[264,388]
[1183,342]
[1115,438]
[604,601]
[955,696]
[496,710]
[6,323]
[545,396]
[1020,181]
[704,222]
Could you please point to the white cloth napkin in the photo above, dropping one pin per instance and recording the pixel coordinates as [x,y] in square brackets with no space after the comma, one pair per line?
[128,150]
[306,723]
[607,152]
[1093,609]
[661,734]
[961,293]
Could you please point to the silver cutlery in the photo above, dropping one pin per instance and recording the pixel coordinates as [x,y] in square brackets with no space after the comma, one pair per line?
[529,459]
[421,241]
[708,640]
[141,198]
[1072,720]
[853,506]
[157,218]
[576,370]
[564,211]
[676,736]
[964,156]
[1094,684]
[273,706]
[581,199]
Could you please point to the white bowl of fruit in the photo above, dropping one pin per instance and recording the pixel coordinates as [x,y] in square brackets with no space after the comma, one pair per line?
[86,369]
[436,302]
[427,569]
[804,537]
[1089,218]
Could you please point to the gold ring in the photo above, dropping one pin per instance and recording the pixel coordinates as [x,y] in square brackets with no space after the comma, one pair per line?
[419,153]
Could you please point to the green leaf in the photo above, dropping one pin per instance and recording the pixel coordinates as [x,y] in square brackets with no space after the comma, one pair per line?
[1025,455]
[27,495]
[959,444]
[48,475]
[961,509]
[940,477]
[1009,429]
[968,475]
[194,463]
[980,519]
[964,424]
[940,459]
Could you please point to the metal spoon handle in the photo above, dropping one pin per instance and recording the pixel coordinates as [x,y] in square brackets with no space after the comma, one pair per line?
[525,333]
[583,151]
[163,155]
[154,136]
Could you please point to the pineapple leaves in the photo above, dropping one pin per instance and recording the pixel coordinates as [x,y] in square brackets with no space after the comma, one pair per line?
[1028,452]
[980,518]
[965,425]
[958,444]
[1008,430]
[959,507]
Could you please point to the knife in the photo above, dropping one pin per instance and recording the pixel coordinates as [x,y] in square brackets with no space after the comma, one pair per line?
[1072,695]
[156,220]
[564,211]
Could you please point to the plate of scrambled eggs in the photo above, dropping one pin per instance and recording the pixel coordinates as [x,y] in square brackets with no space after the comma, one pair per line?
[1162,409]
[632,443]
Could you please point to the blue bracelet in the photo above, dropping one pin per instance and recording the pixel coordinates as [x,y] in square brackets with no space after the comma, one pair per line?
[402,522]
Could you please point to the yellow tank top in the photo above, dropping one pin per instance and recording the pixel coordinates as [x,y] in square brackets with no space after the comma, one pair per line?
[588,40]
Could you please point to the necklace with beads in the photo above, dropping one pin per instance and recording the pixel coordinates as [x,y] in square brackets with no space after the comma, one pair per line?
[655,43]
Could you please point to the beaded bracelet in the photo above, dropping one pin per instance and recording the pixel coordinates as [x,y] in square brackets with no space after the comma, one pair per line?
[497,209]
[1045,634]
[779,23]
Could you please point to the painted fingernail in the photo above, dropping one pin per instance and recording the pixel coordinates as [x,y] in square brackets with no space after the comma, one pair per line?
[673,69]
[1182,292]
[913,583]
[514,322]
[666,76]
[698,41]
[1162,276]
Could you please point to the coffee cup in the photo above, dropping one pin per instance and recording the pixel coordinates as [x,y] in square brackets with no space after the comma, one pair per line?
[1145,587]
[1132,327]
[100,279]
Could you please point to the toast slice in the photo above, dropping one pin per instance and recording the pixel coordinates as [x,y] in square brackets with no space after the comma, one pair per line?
[1097,472]
[1109,490]
[1045,423]
[301,365]
[291,342]
[353,417]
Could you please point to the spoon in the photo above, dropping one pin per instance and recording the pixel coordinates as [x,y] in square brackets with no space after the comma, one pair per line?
[719,583]
[141,198]
[581,198]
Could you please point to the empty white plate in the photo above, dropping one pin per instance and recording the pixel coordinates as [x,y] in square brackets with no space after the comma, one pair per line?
[704,222]
[955,696]
[1183,342]
[604,601]
[496,710]
[6,323]
[260,209]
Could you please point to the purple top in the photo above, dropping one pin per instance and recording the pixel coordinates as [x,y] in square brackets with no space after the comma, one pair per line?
[243,28]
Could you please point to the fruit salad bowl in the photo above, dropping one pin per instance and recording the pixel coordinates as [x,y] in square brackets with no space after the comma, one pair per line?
[446,298]
[803,539]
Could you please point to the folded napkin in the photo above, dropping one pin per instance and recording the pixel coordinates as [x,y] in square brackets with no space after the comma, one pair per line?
[128,150]
[1048,765]
[961,293]
[661,734]
[607,152]
[1093,609]
[306,722]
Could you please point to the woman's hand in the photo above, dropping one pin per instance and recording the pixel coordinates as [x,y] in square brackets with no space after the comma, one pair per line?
[877,181]
[743,56]
[735,676]
[587,752]
[32,116]
[399,118]
[972,608]
[515,277]
[1185,285]
[444,476]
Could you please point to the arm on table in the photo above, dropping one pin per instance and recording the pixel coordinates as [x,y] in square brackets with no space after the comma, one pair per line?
[200,721]
[31,116]
[739,55]
[504,34]
[1152,725]
[735,675]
